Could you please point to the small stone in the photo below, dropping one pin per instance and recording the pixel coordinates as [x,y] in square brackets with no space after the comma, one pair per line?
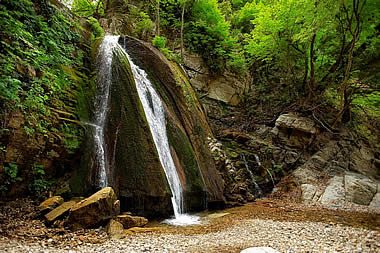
[115,229]
[129,221]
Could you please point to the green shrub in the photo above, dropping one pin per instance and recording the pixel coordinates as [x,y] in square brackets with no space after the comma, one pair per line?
[10,177]
[143,24]
[97,30]
[159,42]
[39,185]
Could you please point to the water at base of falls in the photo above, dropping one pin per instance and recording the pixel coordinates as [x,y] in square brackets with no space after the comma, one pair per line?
[183,220]
[155,114]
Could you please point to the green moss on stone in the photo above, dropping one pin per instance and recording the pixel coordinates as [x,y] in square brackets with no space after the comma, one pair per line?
[179,141]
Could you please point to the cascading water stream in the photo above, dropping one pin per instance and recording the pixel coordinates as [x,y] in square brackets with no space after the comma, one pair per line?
[257,187]
[155,114]
[104,80]
[270,174]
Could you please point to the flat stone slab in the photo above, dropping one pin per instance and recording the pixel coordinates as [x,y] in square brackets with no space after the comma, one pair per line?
[60,210]
[359,188]
[308,191]
[51,203]
[216,215]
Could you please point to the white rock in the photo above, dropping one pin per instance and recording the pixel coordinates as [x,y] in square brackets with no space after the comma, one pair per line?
[359,188]
[308,191]
[375,203]
[260,250]
[334,193]
[296,122]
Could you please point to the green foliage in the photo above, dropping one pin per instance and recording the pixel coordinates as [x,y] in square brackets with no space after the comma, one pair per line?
[71,141]
[144,24]
[39,185]
[97,30]
[10,177]
[37,41]
[87,8]
[366,114]
[208,34]
[159,42]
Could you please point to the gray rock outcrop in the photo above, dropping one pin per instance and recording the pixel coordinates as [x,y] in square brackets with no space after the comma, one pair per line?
[359,189]
[334,195]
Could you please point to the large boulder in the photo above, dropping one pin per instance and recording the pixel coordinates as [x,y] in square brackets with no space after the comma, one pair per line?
[95,210]
[359,189]
[294,130]
[187,126]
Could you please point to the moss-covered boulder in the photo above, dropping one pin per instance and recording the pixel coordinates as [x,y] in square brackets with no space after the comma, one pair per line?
[138,176]
[187,126]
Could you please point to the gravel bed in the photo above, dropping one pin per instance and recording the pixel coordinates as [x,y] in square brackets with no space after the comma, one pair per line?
[282,236]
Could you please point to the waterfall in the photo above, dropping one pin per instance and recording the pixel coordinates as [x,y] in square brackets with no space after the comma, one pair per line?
[155,114]
[104,80]
[270,174]
[257,187]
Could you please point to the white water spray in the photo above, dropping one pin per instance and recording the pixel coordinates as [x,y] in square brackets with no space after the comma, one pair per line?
[104,80]
[257,187]
[270,174]
[155,114]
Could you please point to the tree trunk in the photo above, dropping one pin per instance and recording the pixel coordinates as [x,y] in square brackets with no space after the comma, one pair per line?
[158,18]
[311,80]
[182,23]
[306,69]
[353,20]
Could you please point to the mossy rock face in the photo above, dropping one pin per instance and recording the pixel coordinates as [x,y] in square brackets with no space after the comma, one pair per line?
[195,192]
[133,166]
[187,125]
[132,156]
